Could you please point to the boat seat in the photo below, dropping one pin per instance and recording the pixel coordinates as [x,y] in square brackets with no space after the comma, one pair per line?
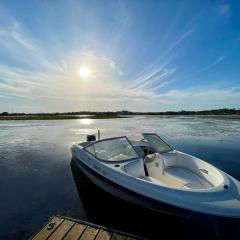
[156,162]
[189,178]
[164,179]
[135,168]
[169,159]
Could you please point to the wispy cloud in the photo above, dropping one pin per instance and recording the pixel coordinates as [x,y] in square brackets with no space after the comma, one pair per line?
[58,78]
[64,85]
[205,68]
[45,68]
[152,73]
[156,72]
[161,85]
[158,78]
[54,79]
[217,61]
[178,41]
[195,99]
[17,43]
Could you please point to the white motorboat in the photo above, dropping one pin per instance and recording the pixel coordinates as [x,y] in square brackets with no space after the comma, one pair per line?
[150,173]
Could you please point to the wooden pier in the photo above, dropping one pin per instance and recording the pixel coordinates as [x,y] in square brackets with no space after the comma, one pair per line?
[64,228]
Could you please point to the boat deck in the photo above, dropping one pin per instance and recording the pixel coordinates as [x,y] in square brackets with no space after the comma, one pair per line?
[64,228]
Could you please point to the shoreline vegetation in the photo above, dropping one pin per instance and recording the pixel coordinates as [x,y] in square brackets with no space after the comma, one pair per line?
[54,116]
[118,114]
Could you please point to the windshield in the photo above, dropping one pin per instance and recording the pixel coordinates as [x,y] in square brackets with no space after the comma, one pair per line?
[156,142]
[114,149]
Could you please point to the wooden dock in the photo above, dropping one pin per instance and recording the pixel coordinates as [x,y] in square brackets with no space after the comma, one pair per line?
[64,228]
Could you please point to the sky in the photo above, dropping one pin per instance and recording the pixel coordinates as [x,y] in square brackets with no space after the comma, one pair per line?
[74,55]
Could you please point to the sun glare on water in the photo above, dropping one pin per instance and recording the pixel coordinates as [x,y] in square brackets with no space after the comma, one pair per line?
[85,72]
[86,121]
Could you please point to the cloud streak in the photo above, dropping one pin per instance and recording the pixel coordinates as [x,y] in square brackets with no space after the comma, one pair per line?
[36,70]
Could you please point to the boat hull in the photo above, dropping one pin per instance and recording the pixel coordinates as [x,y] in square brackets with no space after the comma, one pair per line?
[202,188]
[128,195]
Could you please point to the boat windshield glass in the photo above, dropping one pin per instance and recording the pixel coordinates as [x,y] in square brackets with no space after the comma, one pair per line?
[114,149]
[156,142]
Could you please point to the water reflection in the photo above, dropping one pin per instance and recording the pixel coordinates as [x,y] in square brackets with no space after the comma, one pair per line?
[86,121]
[105,209]
[36,179]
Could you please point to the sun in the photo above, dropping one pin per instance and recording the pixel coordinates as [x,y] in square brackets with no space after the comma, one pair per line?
[84,72]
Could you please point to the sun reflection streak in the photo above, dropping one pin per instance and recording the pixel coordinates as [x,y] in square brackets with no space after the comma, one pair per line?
[86,121]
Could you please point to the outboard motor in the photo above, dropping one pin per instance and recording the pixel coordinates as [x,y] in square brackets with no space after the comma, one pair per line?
[91,138]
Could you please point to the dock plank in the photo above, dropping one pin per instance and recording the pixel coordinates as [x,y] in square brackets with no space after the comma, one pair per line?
[75,232]
[45,232]
[104,235]
[61,231]
[89,233]
[65,228]
[117,236]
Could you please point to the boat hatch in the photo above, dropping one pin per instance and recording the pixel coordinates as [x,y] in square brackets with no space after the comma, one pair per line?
[156,142]
[112,149]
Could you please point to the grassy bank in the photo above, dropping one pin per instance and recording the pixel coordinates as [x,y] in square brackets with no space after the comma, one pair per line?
[56,117]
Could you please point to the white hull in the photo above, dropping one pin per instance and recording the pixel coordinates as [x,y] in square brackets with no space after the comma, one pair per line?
[220,200]
[130,196]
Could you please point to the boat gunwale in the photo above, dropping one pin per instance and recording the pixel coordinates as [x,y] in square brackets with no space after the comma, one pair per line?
[110,164]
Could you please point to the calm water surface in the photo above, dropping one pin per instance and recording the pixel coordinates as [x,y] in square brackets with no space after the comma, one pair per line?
[37,179]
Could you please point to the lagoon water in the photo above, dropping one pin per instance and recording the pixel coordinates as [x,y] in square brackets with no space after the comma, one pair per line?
[37,179]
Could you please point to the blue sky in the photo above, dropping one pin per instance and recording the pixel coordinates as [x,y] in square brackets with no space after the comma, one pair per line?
[141,55]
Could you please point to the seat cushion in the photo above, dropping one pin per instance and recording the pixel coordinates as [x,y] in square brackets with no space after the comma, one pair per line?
[190,179]
[170,159]
[164,180]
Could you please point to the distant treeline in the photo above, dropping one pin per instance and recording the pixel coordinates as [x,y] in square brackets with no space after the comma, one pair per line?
[56,116]
[61,114]
[222,111]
